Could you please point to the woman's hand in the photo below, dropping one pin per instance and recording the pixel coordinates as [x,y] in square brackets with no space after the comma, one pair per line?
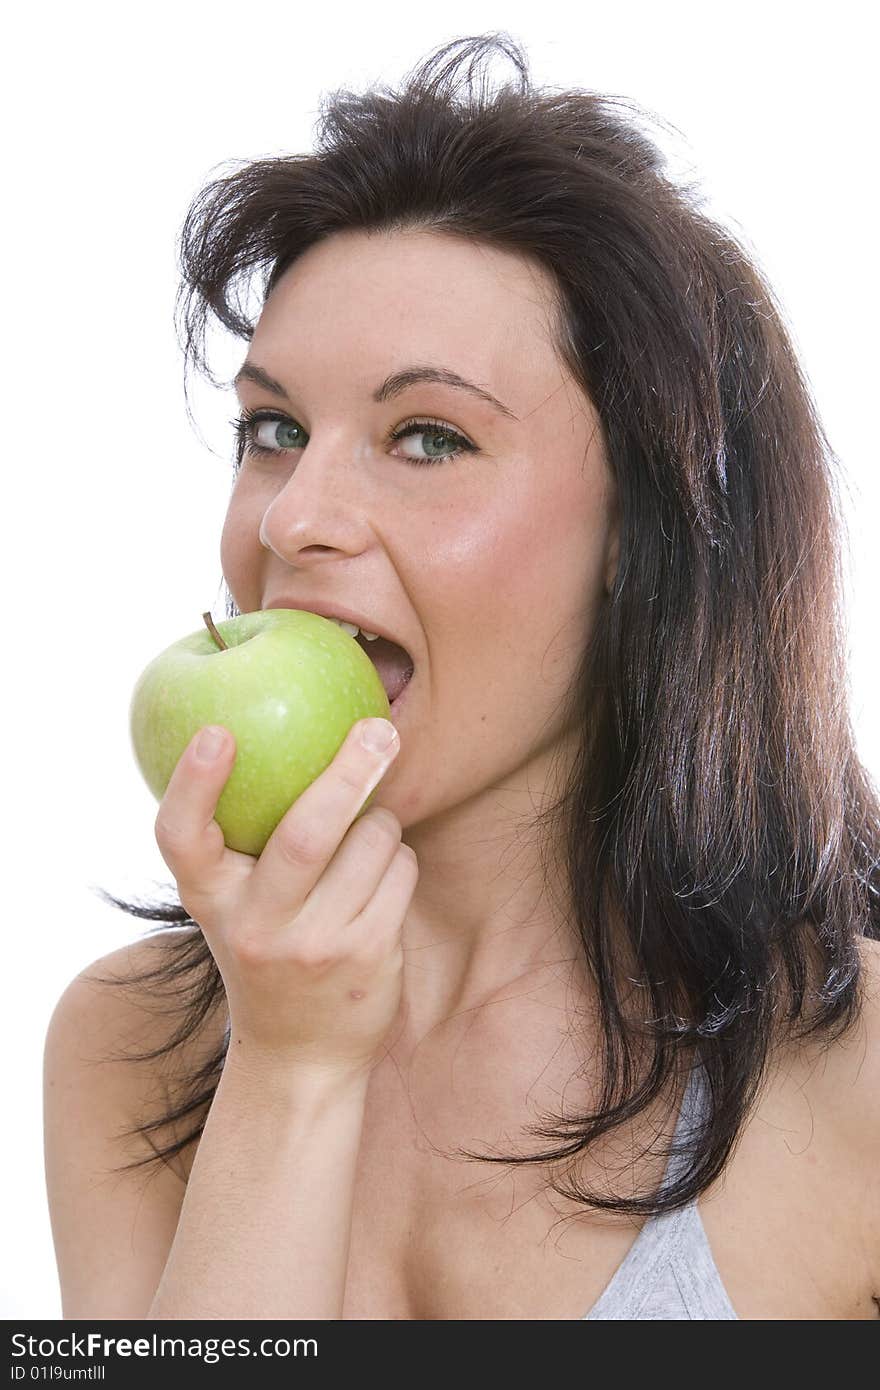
[307,936]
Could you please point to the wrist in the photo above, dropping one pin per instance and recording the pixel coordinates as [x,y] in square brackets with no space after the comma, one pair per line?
[266,1073]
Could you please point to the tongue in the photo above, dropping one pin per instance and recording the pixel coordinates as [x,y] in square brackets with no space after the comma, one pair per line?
[391,662]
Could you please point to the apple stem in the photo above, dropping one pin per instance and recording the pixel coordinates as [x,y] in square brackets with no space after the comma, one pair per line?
[209,622]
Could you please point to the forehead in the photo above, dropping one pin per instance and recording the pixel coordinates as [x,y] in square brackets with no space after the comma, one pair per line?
[414,294]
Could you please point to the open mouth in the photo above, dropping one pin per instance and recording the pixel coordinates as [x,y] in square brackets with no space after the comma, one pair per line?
[400,697]
[393,664]
[393,699]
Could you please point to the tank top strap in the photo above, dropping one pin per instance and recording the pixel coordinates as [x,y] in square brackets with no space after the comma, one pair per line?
[691,1115]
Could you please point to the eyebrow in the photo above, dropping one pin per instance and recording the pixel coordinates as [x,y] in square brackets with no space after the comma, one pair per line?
[392,385]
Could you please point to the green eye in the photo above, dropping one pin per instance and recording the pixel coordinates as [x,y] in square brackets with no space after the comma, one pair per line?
[270,435]
[286,435]
[434,430]
[265,433]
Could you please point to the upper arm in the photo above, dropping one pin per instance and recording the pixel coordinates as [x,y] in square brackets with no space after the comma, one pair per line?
[860,1095]
[112,1230]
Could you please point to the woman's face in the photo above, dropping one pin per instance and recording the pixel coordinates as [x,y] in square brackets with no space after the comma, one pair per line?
[488,567]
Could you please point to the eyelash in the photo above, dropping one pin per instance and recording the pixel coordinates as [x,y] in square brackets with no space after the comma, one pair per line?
[246,423]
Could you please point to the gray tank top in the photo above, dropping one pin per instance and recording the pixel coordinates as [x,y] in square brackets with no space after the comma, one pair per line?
[669,1272]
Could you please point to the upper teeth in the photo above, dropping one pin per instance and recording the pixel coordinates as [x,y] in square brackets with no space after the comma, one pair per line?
[352,629]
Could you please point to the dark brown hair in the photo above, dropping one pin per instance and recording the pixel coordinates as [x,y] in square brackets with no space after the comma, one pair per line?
[721,838]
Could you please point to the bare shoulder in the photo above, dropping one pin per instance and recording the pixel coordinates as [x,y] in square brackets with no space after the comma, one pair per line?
[120,1022]
[842,1076]
[847,1084]
[796,1223]
[853,1071]
[108,1071]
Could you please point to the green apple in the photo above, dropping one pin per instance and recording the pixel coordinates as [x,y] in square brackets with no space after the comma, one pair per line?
[286,683]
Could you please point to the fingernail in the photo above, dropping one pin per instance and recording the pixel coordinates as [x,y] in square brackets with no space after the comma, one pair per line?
[377,735]
[210,744]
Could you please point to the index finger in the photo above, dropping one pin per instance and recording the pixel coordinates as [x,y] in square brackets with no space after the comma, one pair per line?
[309,834]
[189,838]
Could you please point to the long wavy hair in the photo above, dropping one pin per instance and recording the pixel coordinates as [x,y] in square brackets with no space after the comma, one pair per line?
[720,836]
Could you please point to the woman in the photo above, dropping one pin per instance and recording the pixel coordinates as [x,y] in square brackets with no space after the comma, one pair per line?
[512,402]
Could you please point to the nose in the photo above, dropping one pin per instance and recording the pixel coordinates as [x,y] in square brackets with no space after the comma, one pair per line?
[319,512]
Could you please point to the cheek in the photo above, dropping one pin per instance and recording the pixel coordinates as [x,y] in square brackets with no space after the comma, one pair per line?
[547,560]
[536,587]
[240,553]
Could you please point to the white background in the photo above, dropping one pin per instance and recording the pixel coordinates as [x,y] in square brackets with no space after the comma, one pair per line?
[112,504]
